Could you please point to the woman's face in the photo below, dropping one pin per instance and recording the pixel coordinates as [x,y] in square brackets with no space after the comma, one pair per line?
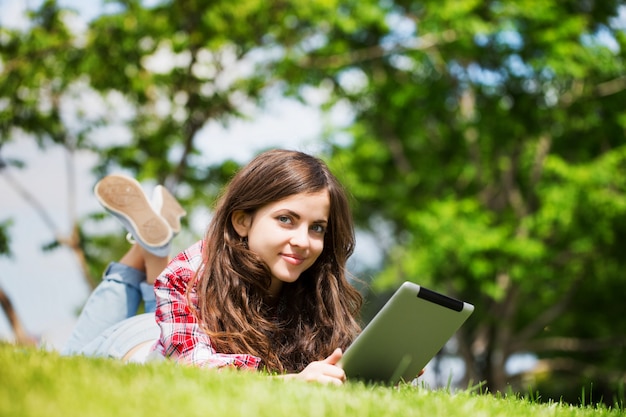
[288,234]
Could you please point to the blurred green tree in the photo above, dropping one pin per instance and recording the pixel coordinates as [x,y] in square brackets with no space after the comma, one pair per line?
[486,143]
[487,151]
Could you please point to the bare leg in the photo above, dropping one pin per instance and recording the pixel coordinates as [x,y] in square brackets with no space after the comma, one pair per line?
[142,260]
[134,258]
[154,265]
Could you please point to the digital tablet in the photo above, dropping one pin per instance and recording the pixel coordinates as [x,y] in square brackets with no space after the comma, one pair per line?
[404,336]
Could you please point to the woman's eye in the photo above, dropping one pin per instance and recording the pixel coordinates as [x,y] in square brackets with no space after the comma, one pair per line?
[318,228]
[284,219]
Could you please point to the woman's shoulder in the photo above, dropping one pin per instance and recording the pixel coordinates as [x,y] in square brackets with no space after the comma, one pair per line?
[192,252]
[189,259]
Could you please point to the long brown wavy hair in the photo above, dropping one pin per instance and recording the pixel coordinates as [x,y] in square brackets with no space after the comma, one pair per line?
[317,313]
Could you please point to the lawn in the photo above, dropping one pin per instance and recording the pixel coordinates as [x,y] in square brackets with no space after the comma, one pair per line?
[40,383]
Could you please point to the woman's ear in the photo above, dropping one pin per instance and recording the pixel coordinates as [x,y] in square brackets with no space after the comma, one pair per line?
[241,222]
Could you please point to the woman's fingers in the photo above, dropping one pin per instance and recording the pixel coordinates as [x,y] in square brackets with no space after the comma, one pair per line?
[330,380]
[334,357]
[325,371]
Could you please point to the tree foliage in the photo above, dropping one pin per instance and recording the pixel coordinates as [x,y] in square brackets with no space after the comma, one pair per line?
[486,147]
[489,137]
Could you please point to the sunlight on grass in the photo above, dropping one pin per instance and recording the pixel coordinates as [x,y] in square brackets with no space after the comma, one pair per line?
[38,383]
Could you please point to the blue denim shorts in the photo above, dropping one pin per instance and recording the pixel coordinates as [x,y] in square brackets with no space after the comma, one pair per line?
[119,339]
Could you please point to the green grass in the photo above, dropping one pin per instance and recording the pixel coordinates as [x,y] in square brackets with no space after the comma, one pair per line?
[41,383]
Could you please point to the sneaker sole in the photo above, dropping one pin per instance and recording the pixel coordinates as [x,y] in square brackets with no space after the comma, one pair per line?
[124,197]
[171,210]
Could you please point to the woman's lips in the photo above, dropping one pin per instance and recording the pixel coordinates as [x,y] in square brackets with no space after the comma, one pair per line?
[292,259]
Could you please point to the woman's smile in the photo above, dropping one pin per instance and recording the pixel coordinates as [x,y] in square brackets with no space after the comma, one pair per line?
[292,258]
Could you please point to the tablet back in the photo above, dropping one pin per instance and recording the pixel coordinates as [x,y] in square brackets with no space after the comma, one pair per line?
[404,335]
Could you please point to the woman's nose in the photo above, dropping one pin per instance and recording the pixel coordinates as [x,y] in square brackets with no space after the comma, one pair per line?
[300,237]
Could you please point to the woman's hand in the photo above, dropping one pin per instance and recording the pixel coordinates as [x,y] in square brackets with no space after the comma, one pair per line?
[325,371]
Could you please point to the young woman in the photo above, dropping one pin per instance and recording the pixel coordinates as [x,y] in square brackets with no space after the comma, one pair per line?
[267,287]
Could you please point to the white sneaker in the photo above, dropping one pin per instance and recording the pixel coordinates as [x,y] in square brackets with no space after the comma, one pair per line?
[168,207]
[123,197]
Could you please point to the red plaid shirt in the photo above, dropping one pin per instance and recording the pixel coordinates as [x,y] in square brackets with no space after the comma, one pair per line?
[181,338]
